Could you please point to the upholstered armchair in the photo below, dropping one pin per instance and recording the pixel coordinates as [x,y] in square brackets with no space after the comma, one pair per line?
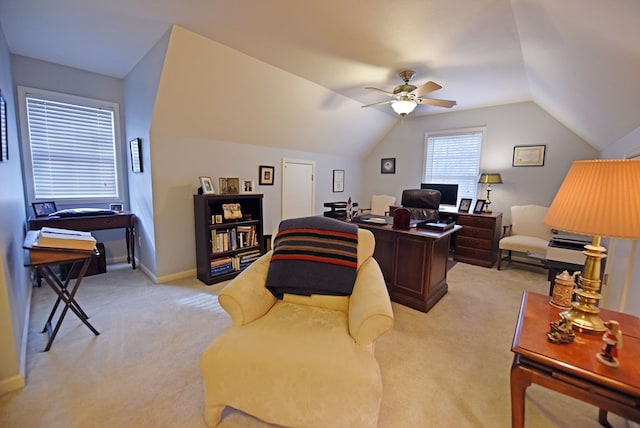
[423,204]
[379,205]
[527,234]
[300,361]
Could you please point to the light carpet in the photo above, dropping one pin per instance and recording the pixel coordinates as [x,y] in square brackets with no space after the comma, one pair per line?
[448,367]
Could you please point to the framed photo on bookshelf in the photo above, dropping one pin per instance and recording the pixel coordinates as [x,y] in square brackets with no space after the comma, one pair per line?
[266,174]
[247,186]
[207,185]
[233,185]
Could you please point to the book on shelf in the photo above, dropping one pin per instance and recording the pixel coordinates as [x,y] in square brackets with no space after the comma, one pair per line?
[64,239]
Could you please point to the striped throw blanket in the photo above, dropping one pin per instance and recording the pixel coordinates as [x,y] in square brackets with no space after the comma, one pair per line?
[314,255]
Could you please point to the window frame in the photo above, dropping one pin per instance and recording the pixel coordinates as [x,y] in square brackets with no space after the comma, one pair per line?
[120,160]
[452,132]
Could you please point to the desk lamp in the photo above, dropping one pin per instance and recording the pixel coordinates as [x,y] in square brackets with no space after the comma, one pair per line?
[598,198]
[489,179]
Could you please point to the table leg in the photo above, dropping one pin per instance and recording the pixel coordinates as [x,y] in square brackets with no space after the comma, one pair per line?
[66,297]
[520,380]
[130,237]
[602,418]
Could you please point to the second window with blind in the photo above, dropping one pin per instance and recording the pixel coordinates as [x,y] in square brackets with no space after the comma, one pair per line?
[453,157]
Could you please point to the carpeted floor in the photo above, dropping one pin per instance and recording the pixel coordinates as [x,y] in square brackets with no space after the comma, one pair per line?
[448,367]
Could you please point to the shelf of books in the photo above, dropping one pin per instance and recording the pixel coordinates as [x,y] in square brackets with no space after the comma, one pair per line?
[229,234]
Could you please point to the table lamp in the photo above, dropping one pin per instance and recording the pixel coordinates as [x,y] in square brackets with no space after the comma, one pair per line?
[599,198]
[489,179]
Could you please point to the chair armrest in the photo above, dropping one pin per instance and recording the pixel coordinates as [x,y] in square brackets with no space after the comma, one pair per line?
[370,312]
[246,298]
[506,230]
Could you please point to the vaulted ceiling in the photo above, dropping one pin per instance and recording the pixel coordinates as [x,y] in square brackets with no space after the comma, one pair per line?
[577,59]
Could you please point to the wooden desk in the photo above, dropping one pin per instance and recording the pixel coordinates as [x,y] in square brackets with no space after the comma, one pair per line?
[122,220]
[42,260]
[572,369]
[413,262]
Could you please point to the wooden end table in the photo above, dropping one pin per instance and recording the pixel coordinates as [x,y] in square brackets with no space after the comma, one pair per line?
[572,369]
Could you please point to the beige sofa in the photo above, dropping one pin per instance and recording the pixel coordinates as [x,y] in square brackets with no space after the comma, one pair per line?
[300,361]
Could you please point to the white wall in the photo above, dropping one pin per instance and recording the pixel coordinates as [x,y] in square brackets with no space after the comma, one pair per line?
[210,119]
[507,126]
[53,77]
[618,259]
[15,289]
[141,86]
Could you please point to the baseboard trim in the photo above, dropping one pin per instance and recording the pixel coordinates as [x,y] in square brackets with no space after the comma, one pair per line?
[12,383]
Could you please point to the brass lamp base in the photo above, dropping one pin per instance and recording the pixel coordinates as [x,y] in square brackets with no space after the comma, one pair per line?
[585,314]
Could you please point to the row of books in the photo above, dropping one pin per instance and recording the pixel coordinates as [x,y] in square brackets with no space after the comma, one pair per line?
[233,238]
[222,265]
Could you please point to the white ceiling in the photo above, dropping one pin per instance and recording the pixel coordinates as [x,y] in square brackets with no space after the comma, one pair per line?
[577,59]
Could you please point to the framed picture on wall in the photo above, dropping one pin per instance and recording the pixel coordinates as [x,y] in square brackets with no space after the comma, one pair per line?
[4,148]
[266,175]
[136,155]
[388,165]
[528,155]
[338,180]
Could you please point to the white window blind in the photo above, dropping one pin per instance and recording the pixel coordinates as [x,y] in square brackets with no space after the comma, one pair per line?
[73,150]
[454,158]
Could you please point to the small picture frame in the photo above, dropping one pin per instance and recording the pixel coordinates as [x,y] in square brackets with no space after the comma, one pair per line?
[4,143]
[266,174]
[233,185]
[388,165]
[115,207]
[479,207]
[247,186]
[136,154]
[465,205]
[43,209]
[338,180]
[528,155]
[218,218]
[222,185]
[207,185]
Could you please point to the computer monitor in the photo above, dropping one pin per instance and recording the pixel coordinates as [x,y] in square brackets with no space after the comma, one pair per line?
[448,192]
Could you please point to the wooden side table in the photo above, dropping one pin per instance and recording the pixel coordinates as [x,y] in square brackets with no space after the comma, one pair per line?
[42,260]
[572,369]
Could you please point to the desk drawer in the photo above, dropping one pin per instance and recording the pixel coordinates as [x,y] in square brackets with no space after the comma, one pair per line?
[476,232]
[467,241]
[477,221]
[475,254]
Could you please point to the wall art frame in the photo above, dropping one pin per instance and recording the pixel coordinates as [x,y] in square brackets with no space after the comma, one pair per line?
[266,174]
[388,166]
[338,180]
[135,148]
[529,155]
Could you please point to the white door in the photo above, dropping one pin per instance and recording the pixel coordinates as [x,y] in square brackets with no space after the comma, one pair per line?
[298,188]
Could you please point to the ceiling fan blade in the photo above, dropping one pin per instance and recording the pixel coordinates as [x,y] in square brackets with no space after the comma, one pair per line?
[436,102]
[381,90]
[426,88]
[379,104]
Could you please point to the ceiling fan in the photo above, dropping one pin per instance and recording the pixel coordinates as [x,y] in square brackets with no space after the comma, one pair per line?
[405,97]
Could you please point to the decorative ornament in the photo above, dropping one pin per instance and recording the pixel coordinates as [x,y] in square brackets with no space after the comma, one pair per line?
[612,339]
[561,331]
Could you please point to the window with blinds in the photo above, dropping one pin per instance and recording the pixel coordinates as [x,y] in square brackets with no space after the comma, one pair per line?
[72,147]
[454,157]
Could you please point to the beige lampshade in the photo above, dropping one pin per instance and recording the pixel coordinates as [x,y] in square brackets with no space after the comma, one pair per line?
[490,178]
[599,198]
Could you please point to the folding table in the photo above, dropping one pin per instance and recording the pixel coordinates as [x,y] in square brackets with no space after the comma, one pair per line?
[42,261]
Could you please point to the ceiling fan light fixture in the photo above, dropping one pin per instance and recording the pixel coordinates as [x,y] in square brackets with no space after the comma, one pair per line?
[403,107]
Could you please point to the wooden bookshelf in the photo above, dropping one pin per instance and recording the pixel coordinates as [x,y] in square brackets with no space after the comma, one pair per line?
[225,247]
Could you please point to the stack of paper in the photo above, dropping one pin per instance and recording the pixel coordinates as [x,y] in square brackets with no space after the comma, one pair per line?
[51,237]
